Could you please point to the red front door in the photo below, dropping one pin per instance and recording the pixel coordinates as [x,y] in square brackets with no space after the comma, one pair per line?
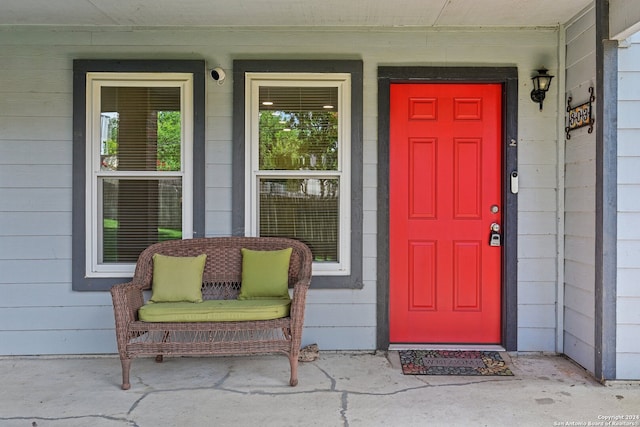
[444,195]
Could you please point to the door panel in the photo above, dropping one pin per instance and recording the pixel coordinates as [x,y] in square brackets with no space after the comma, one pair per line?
[445,175]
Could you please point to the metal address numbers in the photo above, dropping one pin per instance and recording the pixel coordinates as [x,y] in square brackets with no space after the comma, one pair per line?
[580,116]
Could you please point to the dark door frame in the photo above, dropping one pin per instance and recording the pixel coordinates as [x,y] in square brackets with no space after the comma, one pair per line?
[508,77]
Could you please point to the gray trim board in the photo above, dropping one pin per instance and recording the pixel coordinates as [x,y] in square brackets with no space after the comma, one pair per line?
[354,67]
[80,68]
[606,196]
[508,77]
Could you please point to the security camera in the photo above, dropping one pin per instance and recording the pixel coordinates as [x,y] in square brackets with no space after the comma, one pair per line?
[218,74]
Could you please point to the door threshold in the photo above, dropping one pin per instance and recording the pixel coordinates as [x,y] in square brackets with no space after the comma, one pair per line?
[479,347]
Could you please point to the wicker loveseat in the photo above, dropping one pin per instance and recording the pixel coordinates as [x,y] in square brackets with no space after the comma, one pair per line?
[221,280]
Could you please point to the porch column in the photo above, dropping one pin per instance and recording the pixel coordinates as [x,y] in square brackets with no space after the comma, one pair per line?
[606,195]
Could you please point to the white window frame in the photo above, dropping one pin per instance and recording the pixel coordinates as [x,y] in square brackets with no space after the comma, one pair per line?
[95,81]
[342,81]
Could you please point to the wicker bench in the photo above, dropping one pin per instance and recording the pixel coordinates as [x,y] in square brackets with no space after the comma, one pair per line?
[221,280]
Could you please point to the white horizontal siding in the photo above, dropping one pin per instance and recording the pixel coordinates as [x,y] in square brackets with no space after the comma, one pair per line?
[56,318]
[579,200]
[582,225]
[580,351]
[629,170]
[541,293]
[36,271]
[538,222]
[586,325]
[18,103]
[628,341]
[54,294]
[579,54]
[536,339]
[628,247]
[537,246]
[27,224]
[40,176]
[580,24]
[26,247]
[581,249]
[14,199]
[627,199]
[628,279]
[624,18]
[340,338]
[629,311]
[538,200]
[77,341]
[47,129]
[538,315]
[340,315]
[35,185]
[541,270]
[15,152]
[582,275]
[627,365]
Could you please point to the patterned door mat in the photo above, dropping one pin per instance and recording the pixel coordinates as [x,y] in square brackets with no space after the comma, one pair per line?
[450,362]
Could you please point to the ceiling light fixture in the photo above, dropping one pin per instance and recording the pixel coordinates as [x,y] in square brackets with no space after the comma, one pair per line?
[329,105]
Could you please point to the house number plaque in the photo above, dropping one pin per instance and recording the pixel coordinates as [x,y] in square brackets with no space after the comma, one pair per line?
[580,116]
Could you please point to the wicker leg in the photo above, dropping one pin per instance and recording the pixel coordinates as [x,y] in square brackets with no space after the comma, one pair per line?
[293,361]
[165,338]
[126,366]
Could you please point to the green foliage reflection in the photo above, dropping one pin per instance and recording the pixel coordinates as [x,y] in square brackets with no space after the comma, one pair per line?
[306,140]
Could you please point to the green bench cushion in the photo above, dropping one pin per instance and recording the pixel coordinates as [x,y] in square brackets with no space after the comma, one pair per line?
[215,310]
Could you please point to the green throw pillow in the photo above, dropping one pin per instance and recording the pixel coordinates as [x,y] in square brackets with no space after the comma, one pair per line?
[177,278]
[265,274]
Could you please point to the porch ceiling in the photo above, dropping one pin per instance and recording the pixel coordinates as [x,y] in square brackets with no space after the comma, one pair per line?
[371,13]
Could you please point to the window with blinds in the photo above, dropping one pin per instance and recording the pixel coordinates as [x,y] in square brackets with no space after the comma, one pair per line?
[299,150]
[139,189]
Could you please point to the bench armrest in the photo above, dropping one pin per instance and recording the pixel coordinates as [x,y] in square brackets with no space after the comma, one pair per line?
[298,303]
[127,299]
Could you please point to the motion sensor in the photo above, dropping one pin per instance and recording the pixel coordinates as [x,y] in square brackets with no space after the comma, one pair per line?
[218,75]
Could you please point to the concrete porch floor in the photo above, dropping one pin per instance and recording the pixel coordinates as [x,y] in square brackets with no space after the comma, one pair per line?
[338,389]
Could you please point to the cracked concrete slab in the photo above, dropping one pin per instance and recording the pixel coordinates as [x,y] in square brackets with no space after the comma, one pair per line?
[229,408]
[338,389]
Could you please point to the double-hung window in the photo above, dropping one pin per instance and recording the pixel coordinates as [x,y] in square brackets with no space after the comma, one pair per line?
[298,146]
[138,181]
[298,160]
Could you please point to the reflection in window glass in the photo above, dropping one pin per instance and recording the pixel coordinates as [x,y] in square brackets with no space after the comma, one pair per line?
[300,161]
[140,132]
[140,128]
[298,128]
[305,209]
[130,222]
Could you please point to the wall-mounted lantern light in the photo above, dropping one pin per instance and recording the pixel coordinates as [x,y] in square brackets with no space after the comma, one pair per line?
[541,84]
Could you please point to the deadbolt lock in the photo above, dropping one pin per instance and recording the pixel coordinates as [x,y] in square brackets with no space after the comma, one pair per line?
[494,236]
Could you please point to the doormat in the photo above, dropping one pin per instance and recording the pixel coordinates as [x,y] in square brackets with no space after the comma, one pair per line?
[453,362]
